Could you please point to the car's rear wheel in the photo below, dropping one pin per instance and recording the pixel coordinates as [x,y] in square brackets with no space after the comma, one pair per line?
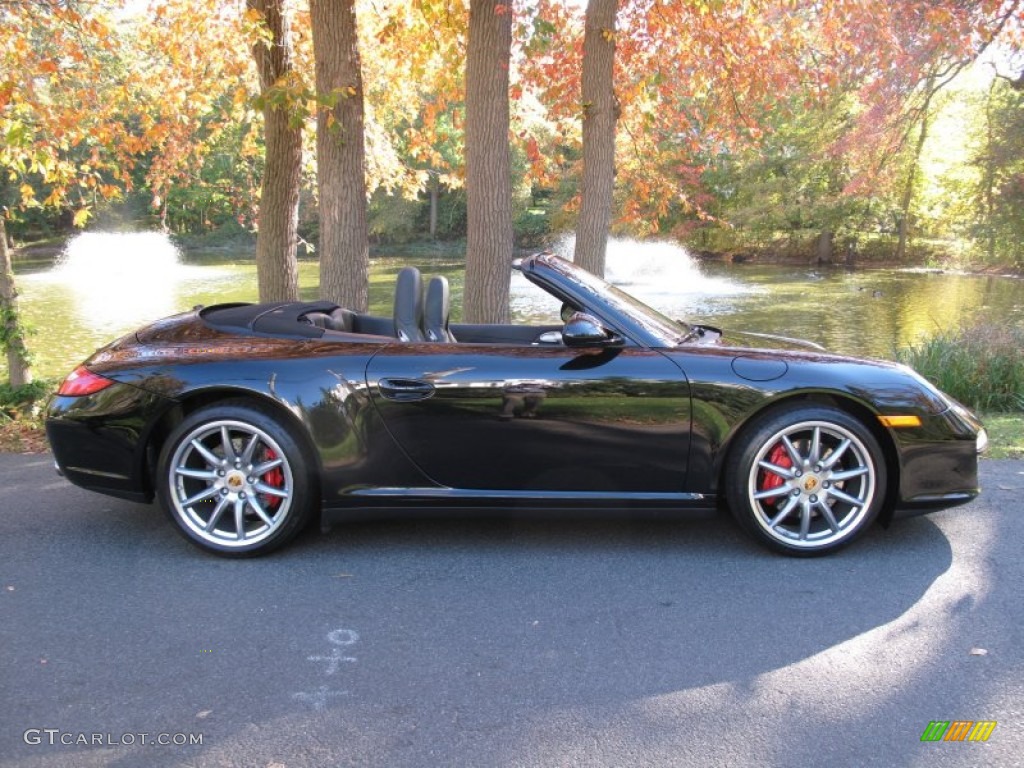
[233,479]
[806,481]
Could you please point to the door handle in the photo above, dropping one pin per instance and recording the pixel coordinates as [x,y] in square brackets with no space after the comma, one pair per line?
[405,390]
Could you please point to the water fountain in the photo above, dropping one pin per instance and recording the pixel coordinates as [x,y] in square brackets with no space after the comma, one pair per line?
[96,259]
[117,280]
[660,273]
[106,283]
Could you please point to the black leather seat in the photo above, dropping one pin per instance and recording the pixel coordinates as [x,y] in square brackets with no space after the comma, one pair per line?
[436,307]
[336,320]
[409,305]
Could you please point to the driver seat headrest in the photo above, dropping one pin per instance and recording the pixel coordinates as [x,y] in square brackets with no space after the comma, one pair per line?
[408,314]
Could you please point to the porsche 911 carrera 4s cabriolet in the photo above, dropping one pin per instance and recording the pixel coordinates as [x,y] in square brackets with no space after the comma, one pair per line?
[248,421]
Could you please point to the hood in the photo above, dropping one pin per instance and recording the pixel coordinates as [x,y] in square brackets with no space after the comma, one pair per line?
[707,334]
[768,341]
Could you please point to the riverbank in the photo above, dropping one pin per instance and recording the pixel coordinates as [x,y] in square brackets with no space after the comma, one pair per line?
[877,260]
[924,255]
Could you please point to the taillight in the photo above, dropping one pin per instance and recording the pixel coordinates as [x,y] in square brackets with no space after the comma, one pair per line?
[82,381]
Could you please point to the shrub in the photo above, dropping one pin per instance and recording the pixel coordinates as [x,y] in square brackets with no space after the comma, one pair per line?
[982,366]
[15,401]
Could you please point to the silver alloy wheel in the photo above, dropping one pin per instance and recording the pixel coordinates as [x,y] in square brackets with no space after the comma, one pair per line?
[230,483]
[811,484]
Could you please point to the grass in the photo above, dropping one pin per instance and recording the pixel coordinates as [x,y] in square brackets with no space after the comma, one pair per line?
[1005,434]
[981,366]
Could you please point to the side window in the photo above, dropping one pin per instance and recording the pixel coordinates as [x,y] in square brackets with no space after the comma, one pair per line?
[531,304]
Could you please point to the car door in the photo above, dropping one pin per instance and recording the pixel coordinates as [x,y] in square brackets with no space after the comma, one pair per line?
[522,417]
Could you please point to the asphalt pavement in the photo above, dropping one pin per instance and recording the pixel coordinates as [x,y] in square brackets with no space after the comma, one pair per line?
[503,641]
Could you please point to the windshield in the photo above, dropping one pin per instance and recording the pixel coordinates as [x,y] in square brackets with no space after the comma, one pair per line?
[668,331]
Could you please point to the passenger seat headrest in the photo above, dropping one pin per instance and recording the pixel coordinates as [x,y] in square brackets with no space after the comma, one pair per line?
[436,309]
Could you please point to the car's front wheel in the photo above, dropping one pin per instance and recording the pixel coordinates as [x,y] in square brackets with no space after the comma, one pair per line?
[806,481]
[233,479]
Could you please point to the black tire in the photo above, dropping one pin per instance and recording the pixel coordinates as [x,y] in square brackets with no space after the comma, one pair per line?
[822,497]
[242,500]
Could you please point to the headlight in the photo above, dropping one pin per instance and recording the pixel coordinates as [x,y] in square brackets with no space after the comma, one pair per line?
[982,442]
[937,400]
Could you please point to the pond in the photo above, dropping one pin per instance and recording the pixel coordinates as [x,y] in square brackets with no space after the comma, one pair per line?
[107,284]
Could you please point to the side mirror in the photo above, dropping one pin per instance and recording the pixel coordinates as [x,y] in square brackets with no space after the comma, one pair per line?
[583,330]
[549,337]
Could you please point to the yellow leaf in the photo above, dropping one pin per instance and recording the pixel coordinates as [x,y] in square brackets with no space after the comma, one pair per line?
[81,216]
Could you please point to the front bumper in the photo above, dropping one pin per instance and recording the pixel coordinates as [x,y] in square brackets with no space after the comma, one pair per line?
[940,462]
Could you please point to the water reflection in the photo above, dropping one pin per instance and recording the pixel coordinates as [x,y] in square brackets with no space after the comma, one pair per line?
[869,312]
[108,284]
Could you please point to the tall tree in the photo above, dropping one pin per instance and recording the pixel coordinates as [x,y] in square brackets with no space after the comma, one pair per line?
[600,113]
[488,163]
[277,271]
[340,155]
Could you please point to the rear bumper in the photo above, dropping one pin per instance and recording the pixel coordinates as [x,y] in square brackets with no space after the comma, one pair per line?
[99,441]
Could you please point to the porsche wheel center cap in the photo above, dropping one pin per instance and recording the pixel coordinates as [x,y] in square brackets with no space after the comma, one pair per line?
[810,484]
[235,481]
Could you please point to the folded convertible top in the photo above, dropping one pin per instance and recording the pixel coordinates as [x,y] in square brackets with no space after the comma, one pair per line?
[285,318]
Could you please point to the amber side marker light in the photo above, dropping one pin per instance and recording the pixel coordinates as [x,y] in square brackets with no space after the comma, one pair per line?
[82,381]
[896,422]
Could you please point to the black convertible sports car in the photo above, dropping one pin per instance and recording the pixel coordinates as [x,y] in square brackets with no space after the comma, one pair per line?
[247,420]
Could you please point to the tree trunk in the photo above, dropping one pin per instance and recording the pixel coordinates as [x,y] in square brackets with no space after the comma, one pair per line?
[11,332]
[825,242]
[488,164]
[277,271]
[435,191]
[990,177]
[911,182]
[902,231]
[341,156]
[600,113]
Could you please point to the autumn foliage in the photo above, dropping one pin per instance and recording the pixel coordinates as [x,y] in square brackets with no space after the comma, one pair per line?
[101,98]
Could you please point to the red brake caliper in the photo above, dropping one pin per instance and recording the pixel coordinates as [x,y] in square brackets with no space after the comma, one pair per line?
[273,478]
[778,456]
